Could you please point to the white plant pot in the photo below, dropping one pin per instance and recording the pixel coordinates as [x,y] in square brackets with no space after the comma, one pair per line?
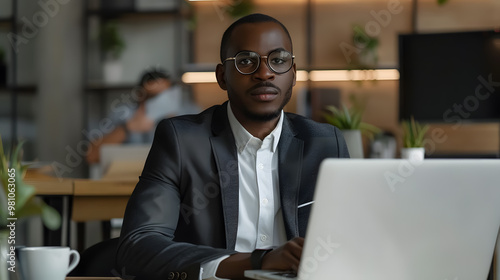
[112,71]
[413,154]
[354,143]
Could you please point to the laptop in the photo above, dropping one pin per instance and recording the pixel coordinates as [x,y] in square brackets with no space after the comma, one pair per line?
[401,220]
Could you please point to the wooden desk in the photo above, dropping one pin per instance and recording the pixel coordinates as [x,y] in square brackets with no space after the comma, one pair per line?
[48,185]
[100,199]
[107,198]
[57,193]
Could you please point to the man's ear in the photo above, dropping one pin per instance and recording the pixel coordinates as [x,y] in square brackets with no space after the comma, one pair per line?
[220,75]
[294,68]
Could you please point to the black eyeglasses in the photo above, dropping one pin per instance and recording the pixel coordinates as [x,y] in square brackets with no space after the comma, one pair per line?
[246,62]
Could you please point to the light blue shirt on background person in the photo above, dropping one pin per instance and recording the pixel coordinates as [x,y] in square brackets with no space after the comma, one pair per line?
[170,102]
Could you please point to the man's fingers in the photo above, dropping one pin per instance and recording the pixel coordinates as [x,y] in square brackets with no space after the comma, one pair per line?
[296,245]
[299,240]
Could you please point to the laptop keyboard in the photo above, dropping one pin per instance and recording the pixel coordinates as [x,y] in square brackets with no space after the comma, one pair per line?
[287,274]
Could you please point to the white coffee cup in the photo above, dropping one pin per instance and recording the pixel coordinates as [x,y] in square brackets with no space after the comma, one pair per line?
[47,263]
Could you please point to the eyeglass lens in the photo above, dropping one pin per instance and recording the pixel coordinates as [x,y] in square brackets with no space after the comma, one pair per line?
[279,61]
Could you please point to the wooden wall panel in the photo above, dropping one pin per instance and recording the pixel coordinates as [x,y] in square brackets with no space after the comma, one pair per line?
[332,22]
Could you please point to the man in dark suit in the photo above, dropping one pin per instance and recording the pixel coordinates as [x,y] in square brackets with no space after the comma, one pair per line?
[230,189]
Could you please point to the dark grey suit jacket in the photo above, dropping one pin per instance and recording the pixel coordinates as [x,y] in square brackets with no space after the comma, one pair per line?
[184,210]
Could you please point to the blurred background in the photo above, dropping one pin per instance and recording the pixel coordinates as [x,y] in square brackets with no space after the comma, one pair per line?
[67,63]
[66,66]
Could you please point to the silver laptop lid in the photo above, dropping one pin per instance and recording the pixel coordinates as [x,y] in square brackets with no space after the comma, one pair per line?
[395,219]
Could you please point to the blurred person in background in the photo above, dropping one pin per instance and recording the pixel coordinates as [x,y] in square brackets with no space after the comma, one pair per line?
[135,119]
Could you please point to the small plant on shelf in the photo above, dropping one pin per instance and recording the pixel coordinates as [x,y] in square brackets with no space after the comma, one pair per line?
[239,8]
[111,41]
[414,133]
[367,48]
[349,119]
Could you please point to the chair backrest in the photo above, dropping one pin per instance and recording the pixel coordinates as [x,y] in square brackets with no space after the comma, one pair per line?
[98,260]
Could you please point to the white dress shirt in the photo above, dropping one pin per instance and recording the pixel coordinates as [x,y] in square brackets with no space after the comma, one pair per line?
[260,221]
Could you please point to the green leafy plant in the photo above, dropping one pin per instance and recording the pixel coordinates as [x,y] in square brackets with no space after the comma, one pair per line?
[367,47]
[442,2]
[239,8]
[349,119]
[111,41]
[413,133]
[17,198]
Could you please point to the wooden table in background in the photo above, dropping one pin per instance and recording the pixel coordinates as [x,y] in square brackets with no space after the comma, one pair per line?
[48,185]
[106,198]
[86,200]
[100,199]
[56,193]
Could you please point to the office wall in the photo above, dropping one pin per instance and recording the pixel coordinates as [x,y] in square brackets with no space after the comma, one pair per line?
[332,26]
[148,40]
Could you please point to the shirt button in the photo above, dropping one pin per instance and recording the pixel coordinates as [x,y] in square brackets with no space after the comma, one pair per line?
[260,166]
[265,201]
[263,238]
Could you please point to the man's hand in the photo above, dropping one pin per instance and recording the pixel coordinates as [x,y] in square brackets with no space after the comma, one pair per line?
[139,121]
[286,257]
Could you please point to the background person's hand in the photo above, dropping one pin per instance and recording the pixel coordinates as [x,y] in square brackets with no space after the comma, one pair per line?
[139,121]
[286,257]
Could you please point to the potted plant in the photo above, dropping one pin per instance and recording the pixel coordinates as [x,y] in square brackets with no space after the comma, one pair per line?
[3,67]
[239,8]
[112,46]
[18,200]
[413,140]
[349,121]
[367,49]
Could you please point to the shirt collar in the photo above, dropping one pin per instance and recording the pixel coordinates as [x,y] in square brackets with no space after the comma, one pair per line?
[242,137]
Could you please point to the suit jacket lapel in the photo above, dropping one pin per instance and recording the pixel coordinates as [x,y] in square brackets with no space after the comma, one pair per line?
[226,158]
[290,161]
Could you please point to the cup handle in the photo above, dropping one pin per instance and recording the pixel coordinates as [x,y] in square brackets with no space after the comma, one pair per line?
[75,261]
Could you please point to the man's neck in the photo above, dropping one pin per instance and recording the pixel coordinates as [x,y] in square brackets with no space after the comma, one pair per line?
[259,129]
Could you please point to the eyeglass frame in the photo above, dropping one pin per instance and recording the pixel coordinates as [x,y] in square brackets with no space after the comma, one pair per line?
[260,58]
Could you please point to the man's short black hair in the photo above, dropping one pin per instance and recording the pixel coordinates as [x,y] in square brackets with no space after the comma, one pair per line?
[253,18]
[154,74]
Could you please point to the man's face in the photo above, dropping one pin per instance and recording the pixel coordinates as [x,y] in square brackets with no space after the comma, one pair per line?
[262,95]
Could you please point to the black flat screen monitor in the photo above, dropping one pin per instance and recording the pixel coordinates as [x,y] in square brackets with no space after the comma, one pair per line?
[450,77]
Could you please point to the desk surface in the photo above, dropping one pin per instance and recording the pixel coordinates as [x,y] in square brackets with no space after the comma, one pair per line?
[100,200]
[119,181]
[83,187]
[92,199]
[48,185]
